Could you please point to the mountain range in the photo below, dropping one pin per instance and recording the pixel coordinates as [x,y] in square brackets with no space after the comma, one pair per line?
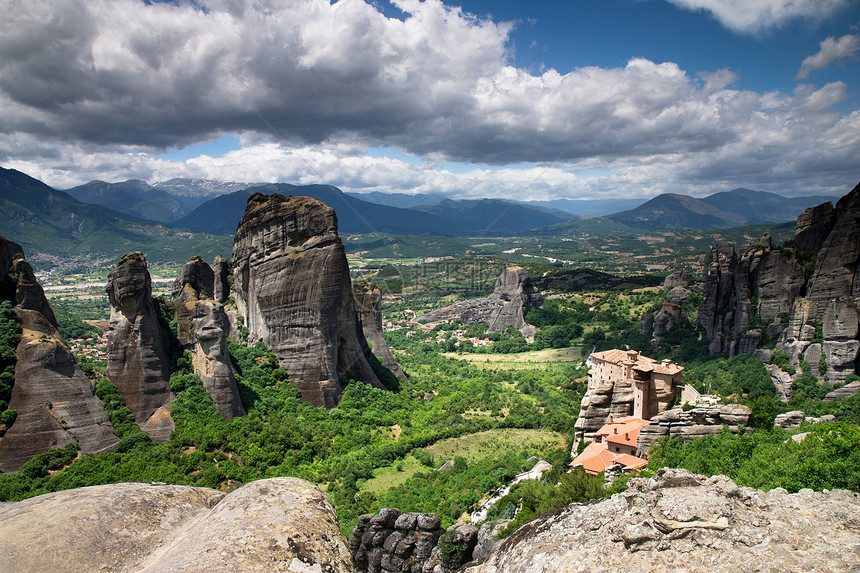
[726,209]
[105,217]
[451,218]
[45,220]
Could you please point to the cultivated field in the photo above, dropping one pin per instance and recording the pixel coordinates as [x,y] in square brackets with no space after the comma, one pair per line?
[539,359]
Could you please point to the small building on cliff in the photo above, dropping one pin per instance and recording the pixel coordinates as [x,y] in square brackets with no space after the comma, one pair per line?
[625,383]
[649,378]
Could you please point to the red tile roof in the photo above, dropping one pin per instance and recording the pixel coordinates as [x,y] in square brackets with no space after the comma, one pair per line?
[597,457]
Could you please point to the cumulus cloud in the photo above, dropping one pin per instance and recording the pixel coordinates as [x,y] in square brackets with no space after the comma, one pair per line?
[755,16]
[831,50]
[96,88]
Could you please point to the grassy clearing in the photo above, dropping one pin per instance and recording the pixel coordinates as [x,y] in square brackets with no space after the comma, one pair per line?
[492,443]
[496,443]
[538,359]
[393,475]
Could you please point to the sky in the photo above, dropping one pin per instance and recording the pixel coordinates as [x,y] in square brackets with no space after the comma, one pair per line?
[537,100]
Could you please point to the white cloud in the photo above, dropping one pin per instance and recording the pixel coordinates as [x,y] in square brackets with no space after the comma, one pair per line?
[755,16]
[831,50]
[95,89]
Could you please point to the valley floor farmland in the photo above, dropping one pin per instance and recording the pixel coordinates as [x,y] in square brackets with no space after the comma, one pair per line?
[538,359]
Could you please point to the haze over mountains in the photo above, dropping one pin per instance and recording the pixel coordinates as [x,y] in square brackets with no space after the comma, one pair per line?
[100,215]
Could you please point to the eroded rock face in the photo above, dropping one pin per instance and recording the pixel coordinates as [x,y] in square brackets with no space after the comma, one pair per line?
[203,329]
[682,521]
[29,294]
[813,226]
[513,296]
[53,398]
[832,295]
[682,278]
[368,308]
[762,281]
[280,524]
[604,400]
[837,267]
[392,541]
[8,250]
[221,271]
[137,359]
[718,288]
[293,288]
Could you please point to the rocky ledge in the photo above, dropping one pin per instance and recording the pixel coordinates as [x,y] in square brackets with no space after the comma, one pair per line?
[696,422]
[679,521]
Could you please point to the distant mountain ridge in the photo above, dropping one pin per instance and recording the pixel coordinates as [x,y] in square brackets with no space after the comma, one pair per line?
[164,201]
[484,216]
[45,220]
[133,197]
[734,208]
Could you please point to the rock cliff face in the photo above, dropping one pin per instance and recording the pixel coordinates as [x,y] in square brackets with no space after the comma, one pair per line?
[279,524]
[720,265]
[292,286]
[368,308]
[763,281]
[768,283]
[813,226]
[679,521]
[221,270]
[513,296]
[53,398]
[203,329]
[603,400]
[826,321]
[137,359]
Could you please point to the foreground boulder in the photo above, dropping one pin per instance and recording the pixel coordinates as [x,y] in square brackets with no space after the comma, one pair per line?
[279,524]
[52,397]
[137,357]
[292,287]
[679,521]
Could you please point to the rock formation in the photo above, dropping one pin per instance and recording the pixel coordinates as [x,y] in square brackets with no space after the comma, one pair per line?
[137,358]
[682,278]
[671,314]
[203,329]
[392,541]
[763,281]
[279,524]
[221,270]
[368,308]
[813,226]
[8,280]
[845,392]
[293,289]
[52,397]
[766,284]
[679,521]
[830,306]
[513,296]
[718,288]
[699,421]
